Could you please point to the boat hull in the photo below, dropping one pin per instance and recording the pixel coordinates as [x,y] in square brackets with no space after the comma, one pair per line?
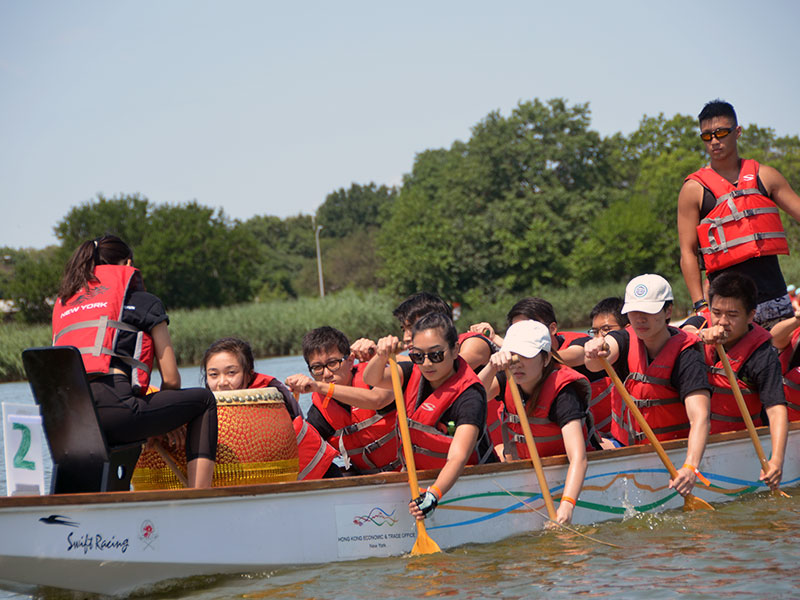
[115,542]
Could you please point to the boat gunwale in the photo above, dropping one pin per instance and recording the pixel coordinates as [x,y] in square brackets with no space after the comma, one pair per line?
[263,489]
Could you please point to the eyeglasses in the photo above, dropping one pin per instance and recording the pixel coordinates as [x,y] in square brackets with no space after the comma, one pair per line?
[719,133]
[418,358]
[601,330]
[332,365]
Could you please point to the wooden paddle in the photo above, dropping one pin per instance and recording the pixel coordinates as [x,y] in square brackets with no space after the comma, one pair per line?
[748,421]
[167,457]
[424,543]
[690,501]
[531,443]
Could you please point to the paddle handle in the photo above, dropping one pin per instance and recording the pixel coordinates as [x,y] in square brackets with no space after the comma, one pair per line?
[637,414]
[402,421]
[531,443]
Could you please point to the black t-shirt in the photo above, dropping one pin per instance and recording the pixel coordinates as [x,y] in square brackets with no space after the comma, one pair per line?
[590,375]
[762,373]
[765,271]
[688,375]
[144,311]
[568,405]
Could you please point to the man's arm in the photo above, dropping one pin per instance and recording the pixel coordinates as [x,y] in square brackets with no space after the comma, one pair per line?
[778,432]
[689,201]
[698,408]
[780,191]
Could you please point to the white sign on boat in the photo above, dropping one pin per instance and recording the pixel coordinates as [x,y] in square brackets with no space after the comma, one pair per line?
[22,441]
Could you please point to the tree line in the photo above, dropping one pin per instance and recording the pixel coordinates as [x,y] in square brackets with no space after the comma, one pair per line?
[535,198]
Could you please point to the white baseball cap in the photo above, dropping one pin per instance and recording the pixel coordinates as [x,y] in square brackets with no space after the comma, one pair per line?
[527,338]
[646,293]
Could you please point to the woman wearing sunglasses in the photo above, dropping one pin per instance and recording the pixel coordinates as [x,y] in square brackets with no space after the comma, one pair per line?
[555,399]
[728,218]
[445,401]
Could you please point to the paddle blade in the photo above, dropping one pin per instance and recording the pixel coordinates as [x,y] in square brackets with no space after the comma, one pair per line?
[692,502]
[424,543]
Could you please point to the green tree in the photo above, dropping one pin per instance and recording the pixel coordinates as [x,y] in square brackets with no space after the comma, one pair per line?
[126,216]
[34,284]
[356,209]
[195,256]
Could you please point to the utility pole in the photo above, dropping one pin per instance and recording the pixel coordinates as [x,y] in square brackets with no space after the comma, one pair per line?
[317,229]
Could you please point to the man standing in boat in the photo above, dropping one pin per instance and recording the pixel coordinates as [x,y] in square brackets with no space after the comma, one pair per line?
[728,218]
[754,362]
[663,372]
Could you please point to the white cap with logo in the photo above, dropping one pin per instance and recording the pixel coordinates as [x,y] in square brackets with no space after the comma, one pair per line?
[527,338]
[646,293]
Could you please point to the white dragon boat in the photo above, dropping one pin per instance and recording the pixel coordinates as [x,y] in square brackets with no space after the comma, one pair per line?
[115,542]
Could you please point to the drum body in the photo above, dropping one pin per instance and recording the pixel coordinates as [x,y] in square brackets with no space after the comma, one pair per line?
[256,444]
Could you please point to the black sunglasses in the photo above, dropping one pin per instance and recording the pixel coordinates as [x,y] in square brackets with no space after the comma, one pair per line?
[719,133]
[332,366]
[418,358]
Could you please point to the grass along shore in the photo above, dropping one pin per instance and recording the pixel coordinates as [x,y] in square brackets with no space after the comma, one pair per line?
[276,328]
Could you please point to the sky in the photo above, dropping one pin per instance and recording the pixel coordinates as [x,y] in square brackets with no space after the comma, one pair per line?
[261,107]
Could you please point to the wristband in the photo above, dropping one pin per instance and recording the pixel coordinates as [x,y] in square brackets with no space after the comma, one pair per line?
[700,305]
[436,491]
[697,473]
[328,396]
[568,499]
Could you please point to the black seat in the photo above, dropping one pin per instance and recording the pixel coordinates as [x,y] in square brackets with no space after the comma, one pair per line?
[82,460]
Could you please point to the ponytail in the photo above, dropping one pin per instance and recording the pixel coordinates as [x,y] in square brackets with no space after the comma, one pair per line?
[79,271]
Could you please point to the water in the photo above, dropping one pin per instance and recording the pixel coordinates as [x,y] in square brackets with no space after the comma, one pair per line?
[745,549]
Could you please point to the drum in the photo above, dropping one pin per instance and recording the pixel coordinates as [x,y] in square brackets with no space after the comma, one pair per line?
[256,444]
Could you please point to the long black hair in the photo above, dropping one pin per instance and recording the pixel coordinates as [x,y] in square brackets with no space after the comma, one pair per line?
[79,271]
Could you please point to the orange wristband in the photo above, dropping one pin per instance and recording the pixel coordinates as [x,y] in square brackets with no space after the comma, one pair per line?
[697,473]
[328,396]
[568,499]
[436,491]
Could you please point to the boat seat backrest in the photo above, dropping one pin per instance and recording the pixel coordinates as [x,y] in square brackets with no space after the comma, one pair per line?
[82,460]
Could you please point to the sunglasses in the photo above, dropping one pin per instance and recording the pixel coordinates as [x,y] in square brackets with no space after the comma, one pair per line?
[332,366]
[719,133]
[418,358]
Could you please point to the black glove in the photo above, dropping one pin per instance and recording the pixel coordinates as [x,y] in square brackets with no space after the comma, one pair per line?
[427,502]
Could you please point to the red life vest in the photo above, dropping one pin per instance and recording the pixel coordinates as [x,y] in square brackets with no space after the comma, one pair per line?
[791,378]
[92,321]
[650,387]
[315,455]
[429,438]
[743,224]
[569,337]
[261,381]
[365,437]
[600,406]
[546,433]
[725,413]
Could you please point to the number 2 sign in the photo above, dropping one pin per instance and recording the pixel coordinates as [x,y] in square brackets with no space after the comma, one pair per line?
[22,441]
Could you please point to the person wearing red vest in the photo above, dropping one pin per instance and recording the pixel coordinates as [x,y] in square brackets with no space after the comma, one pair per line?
[355,418]
[754,362]
[714,232]
[445,402]
[663,372]
[119,328]
[229,364]
[786,339]
[556,401]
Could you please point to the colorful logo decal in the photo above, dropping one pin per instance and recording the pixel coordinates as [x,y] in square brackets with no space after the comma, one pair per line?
[147,533]
[377,516]
[640,291]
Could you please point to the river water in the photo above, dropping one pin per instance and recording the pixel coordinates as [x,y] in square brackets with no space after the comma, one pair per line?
[745,549]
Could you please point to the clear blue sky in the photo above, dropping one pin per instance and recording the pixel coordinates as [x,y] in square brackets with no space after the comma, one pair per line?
[266,107]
